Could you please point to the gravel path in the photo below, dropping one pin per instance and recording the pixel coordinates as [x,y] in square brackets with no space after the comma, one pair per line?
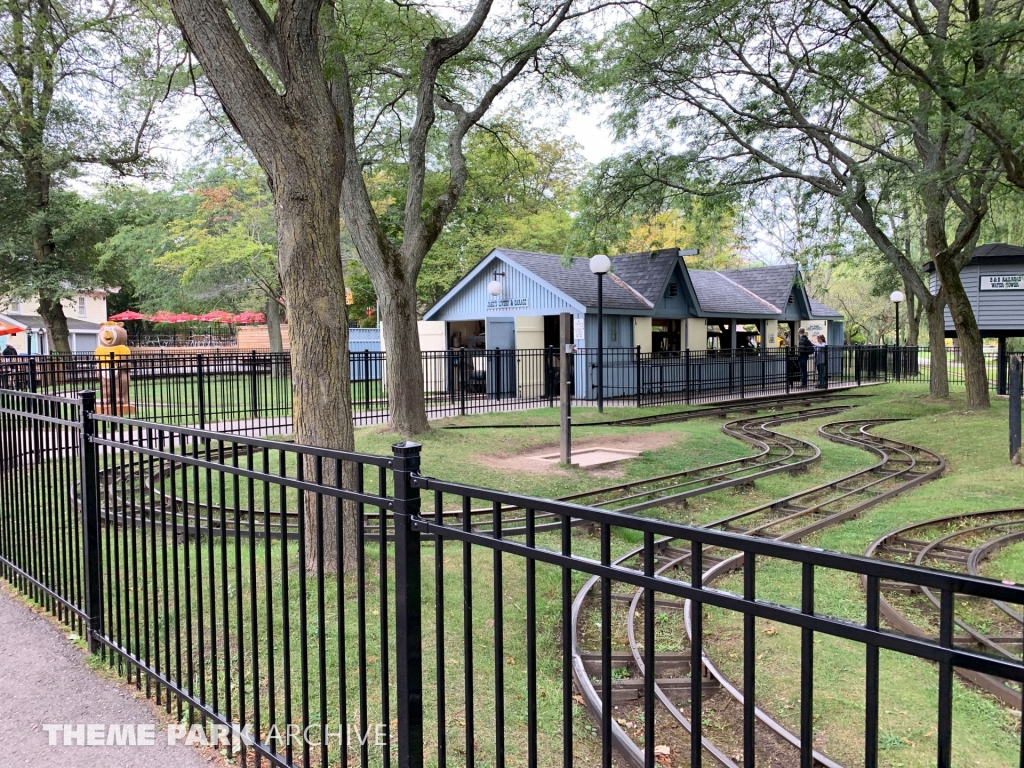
[44,679]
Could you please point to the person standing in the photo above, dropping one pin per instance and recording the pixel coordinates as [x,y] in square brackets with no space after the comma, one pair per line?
[821,361]
[804,350]
[10,351]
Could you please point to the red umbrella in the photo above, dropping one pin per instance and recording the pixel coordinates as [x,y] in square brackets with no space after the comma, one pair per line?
[163,316]
[6,330]
[217,316]
[184,317]
[127,315]
[249,318]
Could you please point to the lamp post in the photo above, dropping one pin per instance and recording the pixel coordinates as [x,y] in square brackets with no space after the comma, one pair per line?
[897,297]
[600,265]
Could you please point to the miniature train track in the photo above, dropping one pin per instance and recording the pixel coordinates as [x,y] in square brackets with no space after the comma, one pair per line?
[776,452]
[957,543]
[750,405]
[901,466]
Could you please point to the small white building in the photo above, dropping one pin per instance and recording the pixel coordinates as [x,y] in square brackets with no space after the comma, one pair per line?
[84,312]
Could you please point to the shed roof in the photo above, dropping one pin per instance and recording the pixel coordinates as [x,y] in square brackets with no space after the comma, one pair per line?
[719,294]
[575,279]
[990,253]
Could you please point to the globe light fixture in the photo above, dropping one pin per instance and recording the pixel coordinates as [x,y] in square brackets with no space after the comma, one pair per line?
[600,264]
[494,288]
[896,297]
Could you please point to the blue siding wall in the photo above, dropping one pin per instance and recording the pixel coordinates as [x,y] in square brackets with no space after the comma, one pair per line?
[676,306]
[995,310]
[529,297]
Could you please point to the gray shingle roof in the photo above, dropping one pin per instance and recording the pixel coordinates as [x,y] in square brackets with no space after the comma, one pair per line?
[820,311]
[718,293]
[74,324]
[773,284]
[991,253]
[575,280]
[646,272]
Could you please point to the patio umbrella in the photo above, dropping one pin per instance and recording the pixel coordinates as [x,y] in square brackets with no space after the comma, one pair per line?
[217,316]
[129,314]
[249,318]
[6,330]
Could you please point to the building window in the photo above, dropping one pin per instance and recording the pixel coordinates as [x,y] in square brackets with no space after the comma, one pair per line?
[81,306]
[614,329]
[15,308]
[673,290]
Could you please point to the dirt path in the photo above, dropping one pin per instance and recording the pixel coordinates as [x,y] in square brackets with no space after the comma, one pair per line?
[44,680]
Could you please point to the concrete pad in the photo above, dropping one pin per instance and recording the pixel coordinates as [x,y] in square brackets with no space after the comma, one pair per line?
[592,457]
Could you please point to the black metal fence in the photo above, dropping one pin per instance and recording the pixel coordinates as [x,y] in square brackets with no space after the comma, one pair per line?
[251,392]
[210,571]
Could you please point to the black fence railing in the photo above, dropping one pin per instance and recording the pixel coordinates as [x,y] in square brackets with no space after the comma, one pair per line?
[441,624]
[251,392]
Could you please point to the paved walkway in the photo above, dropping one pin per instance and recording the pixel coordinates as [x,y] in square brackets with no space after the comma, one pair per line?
[44,679]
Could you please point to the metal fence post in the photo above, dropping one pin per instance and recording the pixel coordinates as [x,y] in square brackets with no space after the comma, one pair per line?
[33,383]
[639,395]
[463,382]
[1015,408]
[689,377]
[90,507]
[408,606]
[200,391]
[253,386]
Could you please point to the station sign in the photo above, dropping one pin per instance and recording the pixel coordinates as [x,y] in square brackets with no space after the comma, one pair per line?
[1002,282]
[504,305]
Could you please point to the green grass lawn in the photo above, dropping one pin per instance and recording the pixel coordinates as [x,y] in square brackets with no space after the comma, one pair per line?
[978,477]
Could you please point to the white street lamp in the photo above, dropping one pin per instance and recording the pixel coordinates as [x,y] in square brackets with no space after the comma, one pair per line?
[897,297]
[600,265]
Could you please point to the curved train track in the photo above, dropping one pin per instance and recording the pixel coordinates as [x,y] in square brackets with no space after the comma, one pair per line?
[961,543]
[776,452]
[901,466]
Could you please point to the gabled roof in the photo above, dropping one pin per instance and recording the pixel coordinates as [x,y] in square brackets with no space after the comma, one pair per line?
[35,322]
[774,284]
[820,312]
[719,294]
[575,280]
[646,272]
[991,253]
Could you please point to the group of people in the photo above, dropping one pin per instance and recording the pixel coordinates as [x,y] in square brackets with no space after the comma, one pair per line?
[807,348]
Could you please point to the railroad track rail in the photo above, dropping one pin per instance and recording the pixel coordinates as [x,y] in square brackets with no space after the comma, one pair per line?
[900,467]
[750,405]
[961,543]
[776,452]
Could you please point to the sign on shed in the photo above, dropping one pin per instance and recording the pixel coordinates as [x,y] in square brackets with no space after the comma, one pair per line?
[1002,282]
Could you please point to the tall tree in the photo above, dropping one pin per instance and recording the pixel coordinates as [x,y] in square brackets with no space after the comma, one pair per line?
[81,86]
[807,101]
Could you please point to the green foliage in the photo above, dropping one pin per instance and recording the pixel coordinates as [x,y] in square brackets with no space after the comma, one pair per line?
[208,243]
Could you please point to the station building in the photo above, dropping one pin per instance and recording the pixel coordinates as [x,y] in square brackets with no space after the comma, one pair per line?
[653,303]
[652,300]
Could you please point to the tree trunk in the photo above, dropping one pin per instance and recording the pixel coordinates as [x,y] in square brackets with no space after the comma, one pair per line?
[404,378]
[52,312]
[311,275]
[938,379]
[967,332]
[914,309]
[274,325]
